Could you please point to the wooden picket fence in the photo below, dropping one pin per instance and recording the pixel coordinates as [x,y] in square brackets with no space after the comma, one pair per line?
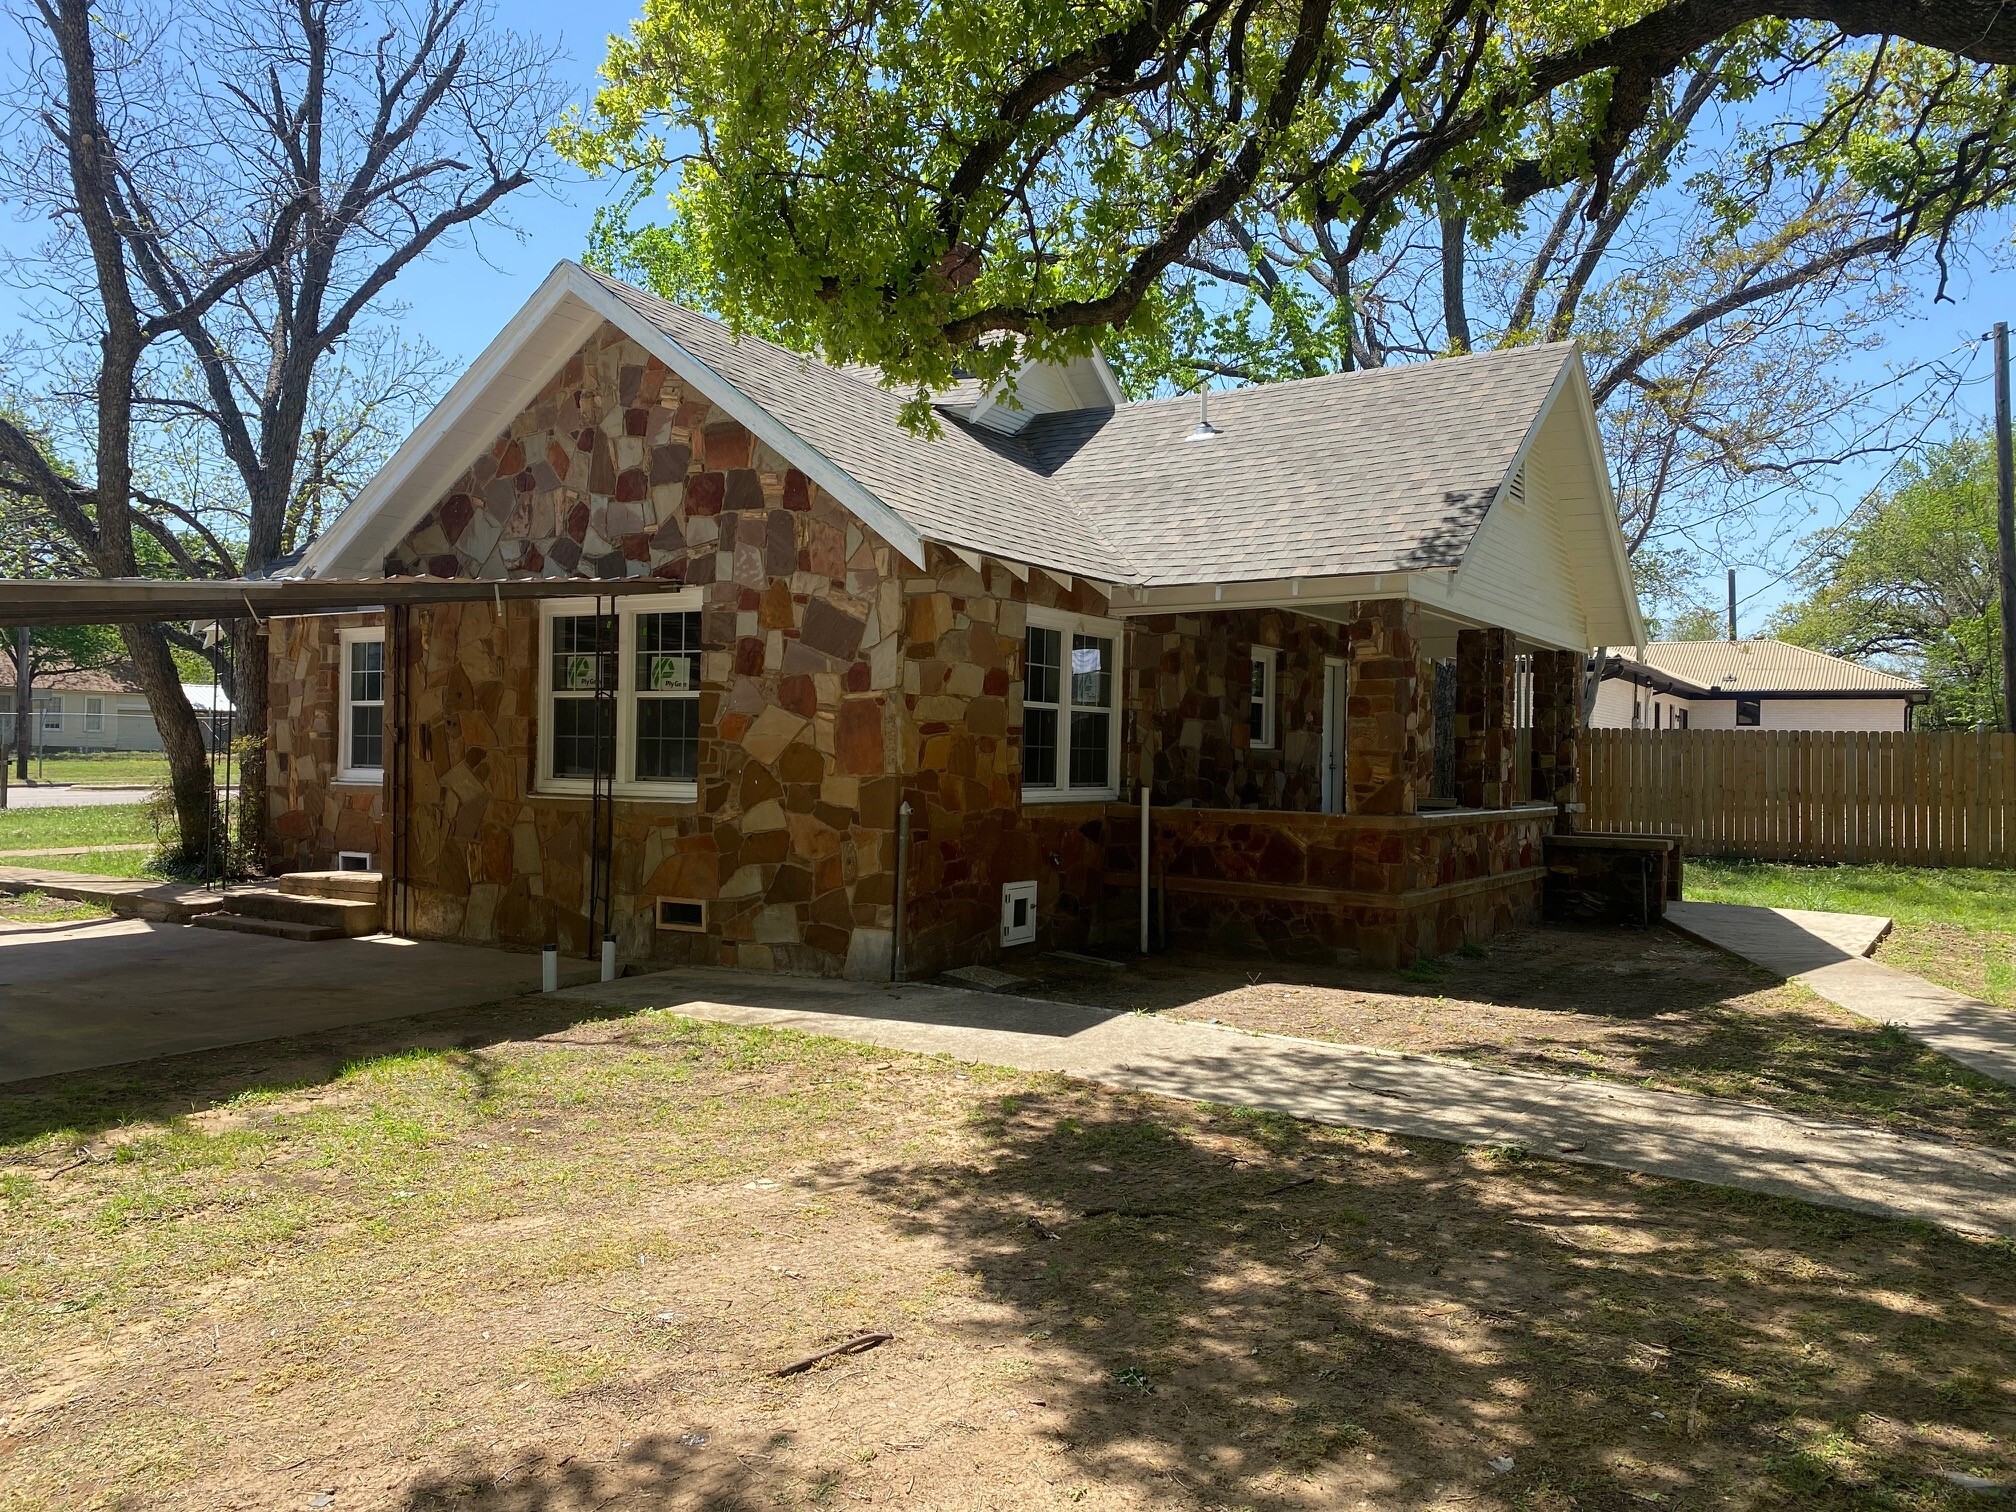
[1918,798]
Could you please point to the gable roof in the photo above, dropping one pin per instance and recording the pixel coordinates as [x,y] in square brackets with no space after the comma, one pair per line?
[1381,471]
[1767,666]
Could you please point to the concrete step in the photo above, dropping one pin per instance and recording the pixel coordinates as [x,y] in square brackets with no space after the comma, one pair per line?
[345,915]
[278,929]
[356,886]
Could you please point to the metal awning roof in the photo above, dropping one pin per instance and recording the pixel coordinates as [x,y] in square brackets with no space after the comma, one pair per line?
[115,601]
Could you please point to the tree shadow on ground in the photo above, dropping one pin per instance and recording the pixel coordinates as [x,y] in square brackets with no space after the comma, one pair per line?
[85,1104]
[652,1470]
[1263,1313]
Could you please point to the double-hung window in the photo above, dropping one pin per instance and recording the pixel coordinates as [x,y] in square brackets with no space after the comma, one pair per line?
[363,699]
[1070,708]
[94,716]
[620,696]
[1260,712]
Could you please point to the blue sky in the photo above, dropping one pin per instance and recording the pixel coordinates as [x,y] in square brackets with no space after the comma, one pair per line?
[459,299]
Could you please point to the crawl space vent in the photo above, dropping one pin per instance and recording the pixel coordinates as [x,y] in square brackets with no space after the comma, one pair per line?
[1018,913]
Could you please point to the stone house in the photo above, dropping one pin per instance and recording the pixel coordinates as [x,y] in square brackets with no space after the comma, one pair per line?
[811,678]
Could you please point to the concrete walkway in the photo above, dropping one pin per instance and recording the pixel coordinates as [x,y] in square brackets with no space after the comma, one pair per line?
[1600,1123]
[129,897]
[1829,953]
[64,795]
[103,992]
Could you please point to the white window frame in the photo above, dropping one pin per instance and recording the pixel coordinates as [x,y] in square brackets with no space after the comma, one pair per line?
[345,772]
[626,610]
[1068,625]
[1267,694]
[94,716]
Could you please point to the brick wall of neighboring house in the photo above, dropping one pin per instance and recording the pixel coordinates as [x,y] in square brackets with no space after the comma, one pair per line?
[313,814]
[1190,679]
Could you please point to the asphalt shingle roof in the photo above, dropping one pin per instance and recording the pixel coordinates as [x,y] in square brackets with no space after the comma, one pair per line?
[1768,666]
[1383,470]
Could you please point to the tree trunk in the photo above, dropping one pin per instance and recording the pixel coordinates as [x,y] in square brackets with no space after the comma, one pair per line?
[253,700]
[181,737]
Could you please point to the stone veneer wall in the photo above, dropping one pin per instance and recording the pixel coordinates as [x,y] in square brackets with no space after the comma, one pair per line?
[962,754]
[1190,678]
[313,815]
[1379,889]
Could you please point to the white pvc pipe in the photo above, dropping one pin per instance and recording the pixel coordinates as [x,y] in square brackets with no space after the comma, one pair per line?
[549,969]
[1145,791]
[608,958]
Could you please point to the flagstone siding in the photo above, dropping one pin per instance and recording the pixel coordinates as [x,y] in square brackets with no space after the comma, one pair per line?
[313,815]
[1192,687]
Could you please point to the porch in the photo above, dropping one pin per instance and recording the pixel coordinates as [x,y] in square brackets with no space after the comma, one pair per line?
[1366,779]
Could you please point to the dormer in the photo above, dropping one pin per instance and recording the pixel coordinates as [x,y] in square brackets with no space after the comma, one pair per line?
[1041,388]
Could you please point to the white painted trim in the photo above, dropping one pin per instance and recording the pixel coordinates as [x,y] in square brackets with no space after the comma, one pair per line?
[759,422]
[350,531]
[1269,699]
[345,639]
[1068,625]
[1336,771]
[626,610]
[970,558]
[335,543]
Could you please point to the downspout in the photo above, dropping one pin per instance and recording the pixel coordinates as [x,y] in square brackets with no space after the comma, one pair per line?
[1147,797]
[896,962]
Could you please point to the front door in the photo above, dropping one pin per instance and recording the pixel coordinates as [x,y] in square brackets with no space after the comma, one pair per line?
[1336,689]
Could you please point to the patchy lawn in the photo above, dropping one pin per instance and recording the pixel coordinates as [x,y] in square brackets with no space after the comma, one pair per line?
[40,908]
[99,768]
[85,824]
[493,1274]
[121,861]
[1644,1006]
[1955,925]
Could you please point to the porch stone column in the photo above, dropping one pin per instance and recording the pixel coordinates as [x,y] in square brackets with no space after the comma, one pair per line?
[1484,740]
[1557,730]
[1389,741]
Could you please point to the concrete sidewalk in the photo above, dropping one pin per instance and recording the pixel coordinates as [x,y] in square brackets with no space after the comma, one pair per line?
[1600,1123]
[1829,953]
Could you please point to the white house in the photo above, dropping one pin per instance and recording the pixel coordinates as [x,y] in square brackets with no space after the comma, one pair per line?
[102,711]
[1749,684]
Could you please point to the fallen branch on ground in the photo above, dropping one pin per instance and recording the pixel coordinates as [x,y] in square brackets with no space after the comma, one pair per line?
[859,1344]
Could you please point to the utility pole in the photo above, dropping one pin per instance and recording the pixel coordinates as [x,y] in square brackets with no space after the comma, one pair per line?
[1732,603]
[2005,523]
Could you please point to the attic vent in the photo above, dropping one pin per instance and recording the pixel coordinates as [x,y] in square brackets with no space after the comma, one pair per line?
[1515,491]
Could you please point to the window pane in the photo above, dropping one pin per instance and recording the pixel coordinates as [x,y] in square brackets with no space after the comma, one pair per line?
[1256,713]
[367,735]
[1040,670]
[668,652]
[1039,747]
[1090,742]
[1091,674]
[367,671]
[580,660]
[668,739]
[576,747]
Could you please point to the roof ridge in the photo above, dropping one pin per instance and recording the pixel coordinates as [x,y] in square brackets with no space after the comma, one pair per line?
[1345,376]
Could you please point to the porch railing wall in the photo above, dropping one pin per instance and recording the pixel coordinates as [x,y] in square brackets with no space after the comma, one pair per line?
[1918,798]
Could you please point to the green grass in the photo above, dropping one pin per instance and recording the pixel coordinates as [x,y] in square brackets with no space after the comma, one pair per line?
[1921,895]
[94,824]
[1954,925]
[101,768]
[40,908]
[104,863]
[221,1270]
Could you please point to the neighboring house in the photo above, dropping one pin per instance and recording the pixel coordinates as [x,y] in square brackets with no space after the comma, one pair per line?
[1341,633]
[1749,684]
[103,711]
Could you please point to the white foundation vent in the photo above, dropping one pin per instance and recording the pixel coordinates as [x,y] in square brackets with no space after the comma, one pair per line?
[1018,913]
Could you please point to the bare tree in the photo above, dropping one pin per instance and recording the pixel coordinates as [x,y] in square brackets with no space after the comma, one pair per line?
[261,176]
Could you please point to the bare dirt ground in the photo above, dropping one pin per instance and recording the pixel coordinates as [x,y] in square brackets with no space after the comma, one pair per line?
[1647,1006]
[439,1265]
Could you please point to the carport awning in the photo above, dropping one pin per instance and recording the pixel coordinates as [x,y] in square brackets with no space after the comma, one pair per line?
[117,601]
